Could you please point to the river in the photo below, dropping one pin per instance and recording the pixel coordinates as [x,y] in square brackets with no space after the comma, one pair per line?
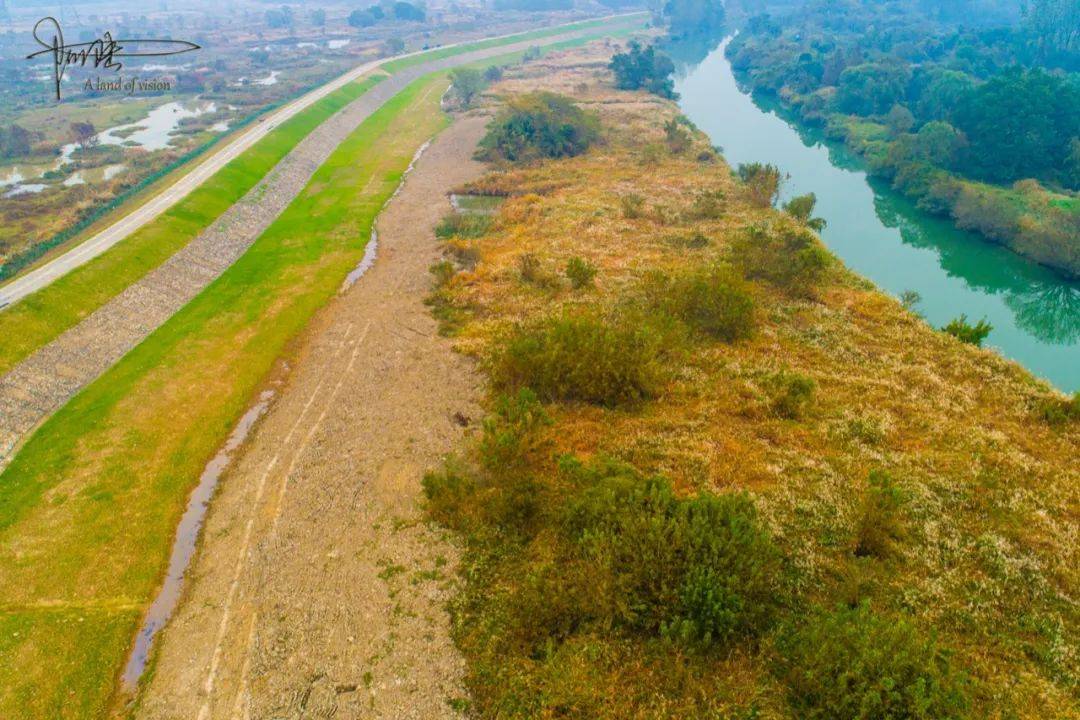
[881,235]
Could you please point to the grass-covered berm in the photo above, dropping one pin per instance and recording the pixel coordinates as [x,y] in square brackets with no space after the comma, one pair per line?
[721,475]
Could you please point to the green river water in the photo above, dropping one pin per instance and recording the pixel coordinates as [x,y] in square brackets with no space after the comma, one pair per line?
[881,235]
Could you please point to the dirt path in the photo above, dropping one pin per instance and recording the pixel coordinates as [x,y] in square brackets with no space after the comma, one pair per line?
[317,592]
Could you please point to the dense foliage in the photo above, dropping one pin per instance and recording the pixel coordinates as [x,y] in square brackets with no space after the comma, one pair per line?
[979,121]
[690,17]
[539,125]
[644,69]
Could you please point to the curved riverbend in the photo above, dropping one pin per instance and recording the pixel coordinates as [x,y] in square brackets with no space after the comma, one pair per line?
[881,235]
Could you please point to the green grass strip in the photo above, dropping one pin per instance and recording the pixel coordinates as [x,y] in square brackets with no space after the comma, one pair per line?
[41,317]
[440,53]
[89,506]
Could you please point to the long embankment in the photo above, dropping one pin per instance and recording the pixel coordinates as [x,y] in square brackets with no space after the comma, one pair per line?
[89,504]
[67,335]
[39,305]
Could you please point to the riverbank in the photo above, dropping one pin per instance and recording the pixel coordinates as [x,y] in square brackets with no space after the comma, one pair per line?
[1027,217]
[741,485]
[883,236]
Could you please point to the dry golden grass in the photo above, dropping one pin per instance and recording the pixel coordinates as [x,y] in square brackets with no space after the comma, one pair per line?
[989,560]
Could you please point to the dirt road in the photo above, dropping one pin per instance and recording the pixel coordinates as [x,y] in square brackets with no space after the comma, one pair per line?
[317,592]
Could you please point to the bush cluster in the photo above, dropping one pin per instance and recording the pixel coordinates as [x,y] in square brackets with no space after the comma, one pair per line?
[853,664]
[711,300]
[700,570]
[539,125]
[790,258]
[965,332]
[582,358]
[463,225]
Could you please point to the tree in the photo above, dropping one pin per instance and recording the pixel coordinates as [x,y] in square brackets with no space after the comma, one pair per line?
[1072,165]
[467,83]
[1054,23]
[318,17]
[409,12]
[644,69]
[281,18]
[872,88]
[539,125]
[361,19]
[762,182]
[395,46]
[15,141]
[691,17]
[943,91]
[900,120]
[938,142]
[85,134]
[1019,124]
[802,209]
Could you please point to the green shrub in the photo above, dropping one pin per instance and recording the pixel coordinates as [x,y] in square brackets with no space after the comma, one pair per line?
[463,225]
[708,205]
[539,125]
[1059,410]
[698,571]
[582,358]
[710,300]
[450,493]
[855,665]
[510,436]
[467,83]
[802,209]
[879,526]
[693,241]
[792,394]
[633,206]
[965,332]
[645,69]
[762,183]
[677,136]
[580,272]
[790,258]
[443,271]
[532,272]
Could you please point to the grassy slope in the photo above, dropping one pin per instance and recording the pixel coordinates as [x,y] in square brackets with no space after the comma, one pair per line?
[88,507]
[43,316]
[990,490]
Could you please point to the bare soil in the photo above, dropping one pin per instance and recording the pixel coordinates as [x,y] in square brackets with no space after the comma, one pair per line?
[318,591]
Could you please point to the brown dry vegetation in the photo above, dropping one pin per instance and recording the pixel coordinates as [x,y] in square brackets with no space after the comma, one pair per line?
[975,541]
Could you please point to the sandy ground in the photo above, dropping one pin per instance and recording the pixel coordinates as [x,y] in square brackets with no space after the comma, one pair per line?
[317,591]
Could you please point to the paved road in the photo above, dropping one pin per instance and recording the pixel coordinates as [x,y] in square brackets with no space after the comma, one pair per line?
[42,383]
[45,274]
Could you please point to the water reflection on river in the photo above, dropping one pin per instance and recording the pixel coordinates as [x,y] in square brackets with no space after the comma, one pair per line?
[883,236]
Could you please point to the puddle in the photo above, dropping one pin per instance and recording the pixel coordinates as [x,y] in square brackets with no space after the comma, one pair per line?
[153,132]
[184,545]
[307,44]
[27,189]
[164,68]
[112,171]
[365,264]
[476,204]
[76,179]
[371,249]
[14,178]
[270,79]
[337,44]
[219,127]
